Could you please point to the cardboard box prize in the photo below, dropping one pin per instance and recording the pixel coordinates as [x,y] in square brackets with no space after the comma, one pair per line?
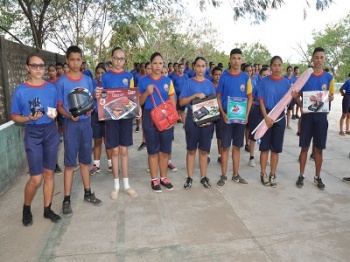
[205,110]
[236,109]
[315,102]
[118,103]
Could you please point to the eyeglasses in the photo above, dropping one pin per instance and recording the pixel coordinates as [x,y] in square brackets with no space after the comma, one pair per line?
[120,59]
[37,66]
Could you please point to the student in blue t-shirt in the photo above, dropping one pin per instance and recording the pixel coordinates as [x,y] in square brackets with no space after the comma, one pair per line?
[158,142]
[315,125]
[98,127]
[345,92]
[119,132]
[179,80]
[77,130]
[197,137]
[30,106]
[234,83]
[290,77]
[271,91]
[86,70]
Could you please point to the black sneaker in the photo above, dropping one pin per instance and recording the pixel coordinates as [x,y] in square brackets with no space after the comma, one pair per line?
[137,129]
[297,116]
[208,160]
[58,170]
[300,182]
[205,182]
[166,183]
[346,179]
[52,216]
[312,156]
[239,180]
[222,181]
[188,183]
[27,218]
[155,186]
[142,146]
[67,209]
[90,197]
[219,159]
[318,183]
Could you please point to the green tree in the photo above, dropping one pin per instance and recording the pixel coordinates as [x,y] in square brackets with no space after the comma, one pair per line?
[255,53]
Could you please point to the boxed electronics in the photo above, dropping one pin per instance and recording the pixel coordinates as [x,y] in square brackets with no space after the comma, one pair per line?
[205,110]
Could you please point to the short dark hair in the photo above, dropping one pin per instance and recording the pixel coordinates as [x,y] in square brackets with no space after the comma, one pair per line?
[59,64]
[317,49]
[217,68]
[236,51]
[102,66]
[74,49]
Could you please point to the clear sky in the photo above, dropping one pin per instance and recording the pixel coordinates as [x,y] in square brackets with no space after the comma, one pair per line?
[283,31]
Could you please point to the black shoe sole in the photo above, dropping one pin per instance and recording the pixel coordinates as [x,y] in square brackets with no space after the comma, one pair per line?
[27,224]
[54,220]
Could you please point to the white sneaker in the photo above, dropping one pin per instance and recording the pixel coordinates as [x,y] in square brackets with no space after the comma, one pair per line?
[251,162]
[114,194]
[131,192]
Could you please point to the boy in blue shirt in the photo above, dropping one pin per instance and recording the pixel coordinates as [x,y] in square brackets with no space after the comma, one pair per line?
[234,83]
[77,130]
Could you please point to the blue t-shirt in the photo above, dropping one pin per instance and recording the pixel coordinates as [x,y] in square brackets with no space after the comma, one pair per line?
[346,87]
[271,90]
[231,85]
[66,84]
[137,78]
[113,79]
[28,99]
[164,85]
[322,82]
[179,82]
[193,86]
[88,73]
[95,84]
[291,79]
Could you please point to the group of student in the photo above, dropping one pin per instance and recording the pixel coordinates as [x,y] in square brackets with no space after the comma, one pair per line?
[262,90]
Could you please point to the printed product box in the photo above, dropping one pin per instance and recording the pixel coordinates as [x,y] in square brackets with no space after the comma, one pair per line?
[205,110]
[315,102]
[236,109]
[118,103]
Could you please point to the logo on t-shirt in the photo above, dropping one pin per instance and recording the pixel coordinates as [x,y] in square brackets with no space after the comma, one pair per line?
[242,88]
[324,87]
[125,81]
[166,87]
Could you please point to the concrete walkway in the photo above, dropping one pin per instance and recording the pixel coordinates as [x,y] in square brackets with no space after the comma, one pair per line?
[234,223]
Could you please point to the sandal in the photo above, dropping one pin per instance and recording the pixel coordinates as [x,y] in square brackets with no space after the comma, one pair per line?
[342,133]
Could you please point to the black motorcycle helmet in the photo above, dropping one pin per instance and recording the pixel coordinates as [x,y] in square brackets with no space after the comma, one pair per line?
[80,101]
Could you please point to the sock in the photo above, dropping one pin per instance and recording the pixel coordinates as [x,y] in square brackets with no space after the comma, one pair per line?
[251,157]
[317,177]
[126,183]
[87,191]
[66,199]
[301,175]
[169,161]
[116,184]
[97,163]
[109,162]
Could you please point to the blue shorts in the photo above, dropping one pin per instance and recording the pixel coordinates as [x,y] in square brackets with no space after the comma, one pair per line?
[197,137]
[231,134]
[273,138]
[59,119]
[156,141]
[98,127]
[178,107]
[254,119]
[217,128]
[291,104]
[77,142]
[313,125]
[41,145]
[346,104]
[119,133]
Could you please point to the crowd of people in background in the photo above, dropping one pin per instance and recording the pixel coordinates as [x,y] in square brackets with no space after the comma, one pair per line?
[263,85]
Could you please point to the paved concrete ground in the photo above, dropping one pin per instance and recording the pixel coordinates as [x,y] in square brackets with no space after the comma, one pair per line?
[234,223]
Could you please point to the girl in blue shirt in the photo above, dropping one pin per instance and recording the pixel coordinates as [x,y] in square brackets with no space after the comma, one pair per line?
[197,136]
[30,106]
